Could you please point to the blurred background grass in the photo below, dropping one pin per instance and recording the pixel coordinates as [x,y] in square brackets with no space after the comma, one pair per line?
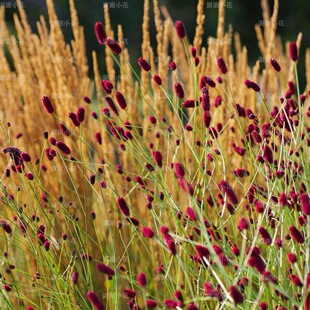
[242,15]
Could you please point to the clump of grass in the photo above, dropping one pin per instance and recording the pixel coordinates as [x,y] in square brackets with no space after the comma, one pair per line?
[181,186]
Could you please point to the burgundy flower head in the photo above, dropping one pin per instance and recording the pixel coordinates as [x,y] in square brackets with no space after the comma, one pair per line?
[243,224]
[6,226]
[63,128]
[80,114]
[180,29]
[221,65]
[141,278]
[236,295]
[100,33]
[228,190]
[179,170]
[158,158]
[189,103]
[275,65]
[105,269]
[186,186]
[157,79]
[114,46]
[47,104]
[120,100]
[123,206]
[63,147]
[305,203]
[129,293]
[74,119]
[205,100]
[75,277]
[151,304]
[293,51]
[147,232]
[95,301]
[144,64]
[296,235]
[178,88]
[112,105]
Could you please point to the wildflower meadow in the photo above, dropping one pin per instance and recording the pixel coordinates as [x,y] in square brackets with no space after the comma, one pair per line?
[177,180]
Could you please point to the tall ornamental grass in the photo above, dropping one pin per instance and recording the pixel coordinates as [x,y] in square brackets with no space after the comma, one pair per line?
[183,184]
